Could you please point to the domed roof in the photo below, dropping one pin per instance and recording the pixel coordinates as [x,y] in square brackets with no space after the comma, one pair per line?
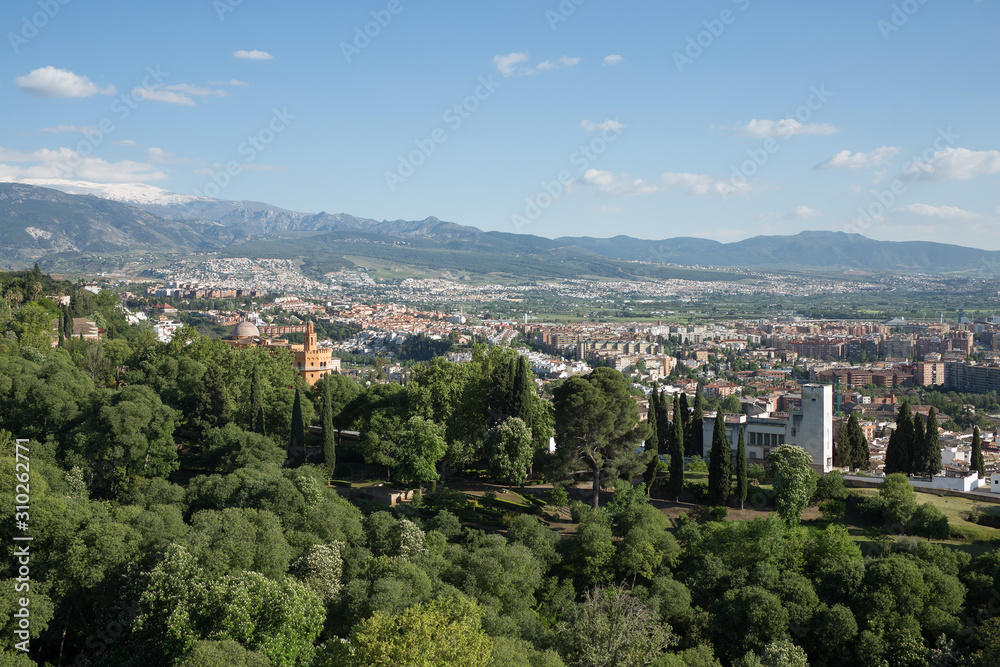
[245,330]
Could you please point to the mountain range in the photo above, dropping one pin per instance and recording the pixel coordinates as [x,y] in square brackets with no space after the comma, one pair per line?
[83,226]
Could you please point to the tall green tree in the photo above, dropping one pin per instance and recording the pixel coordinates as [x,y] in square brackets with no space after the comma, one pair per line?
[741,469]
[677,455]
[213,409]
[685,413]
[508,451]
[918,459]
[652,444]
[256,402]
[720,469]
[859,456]
[329,435]
[694,431]
[793,481]
[977,463]
[297,435]
[931,454]
[597,428]
[897,453]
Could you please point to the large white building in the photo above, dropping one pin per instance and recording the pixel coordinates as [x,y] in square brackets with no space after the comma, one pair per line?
[810,427]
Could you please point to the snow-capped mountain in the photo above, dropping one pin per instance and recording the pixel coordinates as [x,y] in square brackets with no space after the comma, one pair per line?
[139,194]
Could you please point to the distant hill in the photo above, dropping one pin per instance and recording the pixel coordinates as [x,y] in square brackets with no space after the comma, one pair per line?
[818,249]
[37,222]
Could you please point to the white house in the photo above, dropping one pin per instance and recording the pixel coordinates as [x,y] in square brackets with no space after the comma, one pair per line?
[995,484]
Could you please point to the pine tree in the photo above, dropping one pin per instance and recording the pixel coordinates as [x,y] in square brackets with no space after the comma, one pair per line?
[977,462]
[297,436]
[329,436]
[256,402]
[918,454]
[932,446]
[741,469]
[720,469]
[677,456]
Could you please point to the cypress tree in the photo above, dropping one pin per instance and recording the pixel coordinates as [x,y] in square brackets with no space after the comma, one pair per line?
[297,436]
[741,469]
[859,458]
[918,453]
[697,425]
[652,443]
[62,327]
[684,416]
[212,406]
[329,436]
[720,468]
[900,443]
[842,447]
[977,462]
[67,323]
[677,457]
[256,402]
[932,446]
[522,392]
[663,424]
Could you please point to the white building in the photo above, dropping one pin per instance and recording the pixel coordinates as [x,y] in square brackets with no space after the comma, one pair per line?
[995,484]
[809,427]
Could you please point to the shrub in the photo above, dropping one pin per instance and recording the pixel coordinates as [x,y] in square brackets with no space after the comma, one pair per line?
[558,497]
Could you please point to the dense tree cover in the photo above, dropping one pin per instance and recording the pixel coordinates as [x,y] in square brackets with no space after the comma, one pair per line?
[251,562]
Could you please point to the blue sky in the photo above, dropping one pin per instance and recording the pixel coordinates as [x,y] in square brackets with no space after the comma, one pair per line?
[723,119]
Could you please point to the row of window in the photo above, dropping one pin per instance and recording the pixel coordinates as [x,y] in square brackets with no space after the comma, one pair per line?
[766,439]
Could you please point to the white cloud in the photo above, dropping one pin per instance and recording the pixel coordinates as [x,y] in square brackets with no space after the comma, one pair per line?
[879,175]
[238,83]
[845,159]
[198,91]
[766,129]
[160,155]
[58,129]
[803,213]
[252,55]
[604,208]
[613,59]
[546,65]
[158,95]
[511,64]
[612,184]
[507,64]
[51,82]
[853,189]
[124,142]
[66,164]
[957,164]
[591,126]
[941,212]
